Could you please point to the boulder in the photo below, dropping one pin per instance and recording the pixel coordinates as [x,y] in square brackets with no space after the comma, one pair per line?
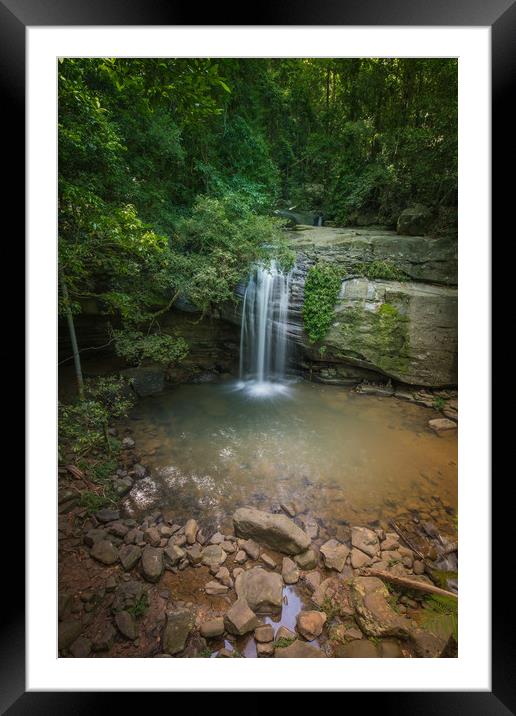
[359,558]
[212,628]
[215,588]
[264,633]
[334,554]
[358,649]
[365,540]
[334,593]
[152,563]
[275,531]
[213,556]
[191,529]
[251,549]
[173,554]
[81,648]
[68,631]
[298,650]
[106,515]
[375,616]
[264,650]
[442,426]
[104,637]
[306,560]
[146,380]
[178,626]
[129,556]
[414,220]
[104,552]
[126,625]
[289,571]
[240,619]
[262,590]
[310,624]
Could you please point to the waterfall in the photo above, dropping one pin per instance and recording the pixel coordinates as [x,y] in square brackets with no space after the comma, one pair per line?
[263,334]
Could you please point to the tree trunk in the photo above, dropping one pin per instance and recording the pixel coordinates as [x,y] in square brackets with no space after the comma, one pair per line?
[73,337]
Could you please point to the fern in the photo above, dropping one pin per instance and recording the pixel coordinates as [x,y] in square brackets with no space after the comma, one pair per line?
[441,616]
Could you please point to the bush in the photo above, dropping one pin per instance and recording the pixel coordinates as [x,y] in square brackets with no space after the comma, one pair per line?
[137,347]
[322,288]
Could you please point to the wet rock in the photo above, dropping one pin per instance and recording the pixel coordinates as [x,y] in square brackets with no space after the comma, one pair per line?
[442,426]
[240,619]
[310,624]
[275,531]
[391,542]
[298,650]
[129,556]
[212,628]
[214,588]
[312,580]
[213,556]
[426,645]
[359,559]
[373,613]
[335,594]
[81,648]
[359,649]
[191,528]
[68,631]
[262,590]
[310,526]
[268,561]
[104,552]
[138,471]
[172,554]
[152,536]
[289,571]
[306,560]
[251,549]
[178,626]
[128,443]
[122,486]
[334,554]
[365,540]
[126,625]
[106,515]
[390,649]
[194,554]
[104,637]
[264,650]
[152,563]
[292,508]
[264,634]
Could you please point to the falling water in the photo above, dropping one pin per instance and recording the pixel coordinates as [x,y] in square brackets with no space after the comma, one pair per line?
[263,335]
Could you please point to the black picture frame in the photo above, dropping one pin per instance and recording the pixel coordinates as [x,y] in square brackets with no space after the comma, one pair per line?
[500,16]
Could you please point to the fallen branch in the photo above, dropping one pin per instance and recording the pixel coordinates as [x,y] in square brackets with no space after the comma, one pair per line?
[407,542]
[407,583]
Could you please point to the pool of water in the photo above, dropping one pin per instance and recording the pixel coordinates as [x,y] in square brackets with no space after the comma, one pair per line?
[348,457]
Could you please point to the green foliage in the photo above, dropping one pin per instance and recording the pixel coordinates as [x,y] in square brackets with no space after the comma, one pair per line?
[283,642]
[92,502]
[140,607]
[161,348]
[322,288]
[83,425]
[441,616]
[439,402]
[375,270]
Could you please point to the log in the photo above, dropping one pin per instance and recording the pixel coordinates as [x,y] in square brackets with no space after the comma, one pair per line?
[404,538]
[407,583]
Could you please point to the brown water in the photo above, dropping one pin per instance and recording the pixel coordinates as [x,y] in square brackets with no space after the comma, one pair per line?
[347,457]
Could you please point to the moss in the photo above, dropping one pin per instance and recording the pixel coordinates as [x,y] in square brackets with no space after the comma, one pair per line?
[322,288]
[381,270]
[283,642]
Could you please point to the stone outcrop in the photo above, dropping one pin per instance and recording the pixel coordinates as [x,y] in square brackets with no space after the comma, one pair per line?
[373,612]
[275,531]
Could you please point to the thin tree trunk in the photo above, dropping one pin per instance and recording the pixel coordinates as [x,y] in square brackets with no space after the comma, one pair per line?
[73,337]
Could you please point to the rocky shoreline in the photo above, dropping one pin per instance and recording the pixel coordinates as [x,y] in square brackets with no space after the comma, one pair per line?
[273,586]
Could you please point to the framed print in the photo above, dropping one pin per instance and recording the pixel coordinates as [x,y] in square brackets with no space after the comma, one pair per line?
[258,263]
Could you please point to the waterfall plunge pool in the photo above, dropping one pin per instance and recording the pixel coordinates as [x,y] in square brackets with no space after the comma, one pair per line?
[347,457]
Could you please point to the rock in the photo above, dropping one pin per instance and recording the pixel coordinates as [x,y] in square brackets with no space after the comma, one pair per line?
[126,625]
[106,515]
[289,571]
[213,556]
[212,628]
[228,547]
[418,567]
[284,633]
[391,542]
[128,595]
[68,631]
[146,380]
[237,571]
[264,634]
[194,554]
[312,580]
[306,560]
[298,650]
[191,528]
[264,650]
[118,529]
[223,576]
[129,556]
[152,536]
[217,538]
[104,637]
[152,563]
[104,552]
[172,554]
[63,602]
[251,549]
[95,535]
[268,561]
[275,531]
[442,426]
[138,471]
[310,624]
[390,649]
[373,613]
[365,540]
[81,648]
[215,588]
[262,590]
[122,486]
[240,557]
[310,526]
[414,220]
[359,558]
[128,443]
[426,645]
[358,649]
[178,626]
[292,508]
[240,619]
[334,594]
[334,554]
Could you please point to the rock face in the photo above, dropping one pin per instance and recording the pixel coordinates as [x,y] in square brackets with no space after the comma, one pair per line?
[262,590]
[146,380]
[372,610]
[414,220]
[275,531]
